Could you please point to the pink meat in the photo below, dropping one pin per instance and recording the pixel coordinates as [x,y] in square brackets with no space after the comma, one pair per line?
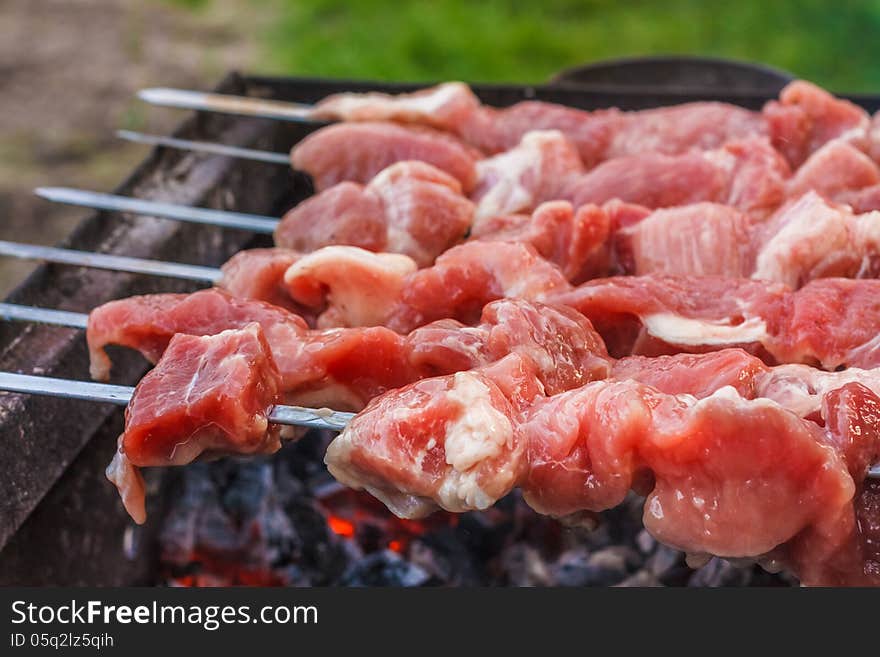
[830,323]
[653,315]
[806,117]
[341,214]
[575,241]
[702,239]
[749,176]
[445,106]
[518,180]
[496,130]
[259,274]
[866,199]
[356,152]
[462,441]
[731,476]
[147,323]
[207,396]
[699,375]
[682,128]
[411,208]
[467,277]
[834,171]
[807,238]
[416,448]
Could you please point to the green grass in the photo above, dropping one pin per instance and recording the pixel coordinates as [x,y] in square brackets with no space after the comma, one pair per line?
[834,44]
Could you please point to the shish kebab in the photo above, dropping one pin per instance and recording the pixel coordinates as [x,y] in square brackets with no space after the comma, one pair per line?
[797,123]
[644,313]
[386,449]
[121,395]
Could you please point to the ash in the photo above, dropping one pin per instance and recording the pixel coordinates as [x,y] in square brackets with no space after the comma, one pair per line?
[282,521]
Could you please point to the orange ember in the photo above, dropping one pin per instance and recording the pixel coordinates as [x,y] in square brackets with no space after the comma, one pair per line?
[341,526]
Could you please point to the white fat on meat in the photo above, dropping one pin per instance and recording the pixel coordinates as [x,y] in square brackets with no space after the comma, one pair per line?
[866,236]
[684,331]
[424,106]
[480,433]
[403,189]
[129,481]
[811,237]
[801,388]
[508,182]
[358,286]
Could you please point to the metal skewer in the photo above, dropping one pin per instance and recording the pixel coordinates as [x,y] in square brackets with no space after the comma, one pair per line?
[111,262]
[121,396]
[14,312]
[230,104]
[205,147]
[253,222]
[11,311]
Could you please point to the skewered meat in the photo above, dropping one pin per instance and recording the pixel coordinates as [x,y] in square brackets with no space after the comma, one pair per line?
[701,239]
[699,375]
[462,441]
[353,287]
[692,126]
[259,274]
[147,323]
[345,368]
[445,106]
[805,239]
[650,314]
[836,171]
[829,322]
[445,442]
[207,396]
[725,474]
[809,239]
[801,121]
[411,208]
[805,118]
[357,152]
[497,130]
[748,175]
[467,277]
[578,242]
[518,180]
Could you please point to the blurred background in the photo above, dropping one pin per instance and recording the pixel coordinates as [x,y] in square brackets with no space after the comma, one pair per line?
[69,68]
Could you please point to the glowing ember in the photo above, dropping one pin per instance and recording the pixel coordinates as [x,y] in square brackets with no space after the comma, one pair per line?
[341,526]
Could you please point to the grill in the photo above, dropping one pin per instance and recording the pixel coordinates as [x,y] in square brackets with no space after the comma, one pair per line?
[60,521]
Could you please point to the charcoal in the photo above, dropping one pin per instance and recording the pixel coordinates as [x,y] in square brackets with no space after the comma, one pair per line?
[265,521]
[524,566]
[446,558]
[645,542]
[641,579]
[665,563]
[385,568]
[720,572]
